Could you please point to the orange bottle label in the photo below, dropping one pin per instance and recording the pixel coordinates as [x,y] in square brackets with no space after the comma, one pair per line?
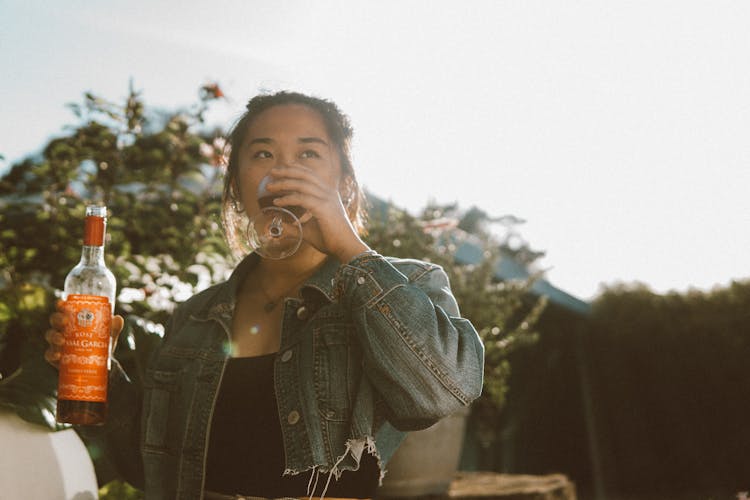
[85,356]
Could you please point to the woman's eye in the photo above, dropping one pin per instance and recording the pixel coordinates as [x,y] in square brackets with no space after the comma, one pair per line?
[310,153]
[262,154]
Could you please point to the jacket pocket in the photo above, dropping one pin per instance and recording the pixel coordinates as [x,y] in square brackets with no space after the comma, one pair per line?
[332,352]
[160,393]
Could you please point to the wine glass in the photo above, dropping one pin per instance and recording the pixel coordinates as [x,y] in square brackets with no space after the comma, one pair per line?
[274,232]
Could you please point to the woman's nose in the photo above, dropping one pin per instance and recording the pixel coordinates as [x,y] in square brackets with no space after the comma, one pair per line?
[283,160]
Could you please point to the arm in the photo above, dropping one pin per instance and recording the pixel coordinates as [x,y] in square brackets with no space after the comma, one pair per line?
[120,437]
[422,357]
[115,446]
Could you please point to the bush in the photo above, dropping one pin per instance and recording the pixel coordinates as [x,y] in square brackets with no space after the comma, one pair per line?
[647,396]
[671,387]
[160,176]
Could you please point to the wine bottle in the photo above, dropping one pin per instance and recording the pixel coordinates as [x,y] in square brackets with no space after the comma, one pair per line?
[89,303]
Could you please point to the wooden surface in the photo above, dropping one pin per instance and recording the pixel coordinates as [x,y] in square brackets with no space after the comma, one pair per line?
[487,485]
[490,485]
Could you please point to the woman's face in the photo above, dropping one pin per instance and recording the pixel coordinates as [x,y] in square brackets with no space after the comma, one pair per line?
[289,134]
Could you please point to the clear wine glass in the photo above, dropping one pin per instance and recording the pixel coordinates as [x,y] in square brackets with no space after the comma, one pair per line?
[274,232]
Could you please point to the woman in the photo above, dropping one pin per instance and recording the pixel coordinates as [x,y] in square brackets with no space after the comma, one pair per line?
[311,366]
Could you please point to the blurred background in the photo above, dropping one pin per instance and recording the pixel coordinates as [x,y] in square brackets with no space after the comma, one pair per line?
[581,167]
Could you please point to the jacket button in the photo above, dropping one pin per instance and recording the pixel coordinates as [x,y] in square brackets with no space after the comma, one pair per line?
[302,313]
[293,417]
[361,280]
[286,356]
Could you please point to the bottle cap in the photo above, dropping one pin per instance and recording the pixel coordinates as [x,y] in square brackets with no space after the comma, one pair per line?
[96,220]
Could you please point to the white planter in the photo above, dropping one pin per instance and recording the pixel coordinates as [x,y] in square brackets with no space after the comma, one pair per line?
[37,463]
[426,462]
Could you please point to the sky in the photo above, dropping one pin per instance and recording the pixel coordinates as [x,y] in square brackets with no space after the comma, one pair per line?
[618,130]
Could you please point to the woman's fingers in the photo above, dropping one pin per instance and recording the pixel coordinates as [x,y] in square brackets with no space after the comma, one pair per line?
[55,339]
[301,192]
[330,229]
[308,202]
[294,172]
[52,357]
[297,177]
[318,199]
[299,186]
[306,217]
[57,320]
[116,328]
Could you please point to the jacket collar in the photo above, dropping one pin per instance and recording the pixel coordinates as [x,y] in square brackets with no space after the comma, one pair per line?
[222,302]
[323,280]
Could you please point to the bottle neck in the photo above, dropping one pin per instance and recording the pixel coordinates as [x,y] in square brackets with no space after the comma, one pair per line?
[92,255]
[93,241]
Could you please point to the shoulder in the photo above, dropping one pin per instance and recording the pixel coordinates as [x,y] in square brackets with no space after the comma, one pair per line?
[414,269]
[431,279]
[202,302]
[419,270]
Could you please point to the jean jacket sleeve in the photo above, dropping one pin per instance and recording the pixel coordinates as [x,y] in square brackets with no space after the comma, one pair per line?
[424,360]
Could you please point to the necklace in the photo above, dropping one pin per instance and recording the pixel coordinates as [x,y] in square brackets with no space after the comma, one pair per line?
[271,302]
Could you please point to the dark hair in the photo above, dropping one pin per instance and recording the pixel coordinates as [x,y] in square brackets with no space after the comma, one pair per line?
[339,130]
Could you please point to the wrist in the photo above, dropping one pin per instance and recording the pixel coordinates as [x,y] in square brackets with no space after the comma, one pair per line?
[351,250]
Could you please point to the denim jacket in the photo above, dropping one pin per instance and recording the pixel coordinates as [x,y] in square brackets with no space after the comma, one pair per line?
[369,350]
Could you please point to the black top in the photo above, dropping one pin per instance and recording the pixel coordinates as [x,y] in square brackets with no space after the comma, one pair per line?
[246,452]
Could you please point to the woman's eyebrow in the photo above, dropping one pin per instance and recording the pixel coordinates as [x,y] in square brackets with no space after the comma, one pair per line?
[260,140]
[307,140]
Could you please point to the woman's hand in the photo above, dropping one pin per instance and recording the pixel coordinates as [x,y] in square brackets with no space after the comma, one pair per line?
[55,338]
[326,224]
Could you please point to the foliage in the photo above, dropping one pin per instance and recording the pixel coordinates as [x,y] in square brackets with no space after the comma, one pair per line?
[648,395]
[160,176]
[119,490]
[671,386]
[504,313]
[478,222]
[29,391]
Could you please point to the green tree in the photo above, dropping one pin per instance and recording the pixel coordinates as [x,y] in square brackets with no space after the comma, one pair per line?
[160,175]
[504,313]
[670,381]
